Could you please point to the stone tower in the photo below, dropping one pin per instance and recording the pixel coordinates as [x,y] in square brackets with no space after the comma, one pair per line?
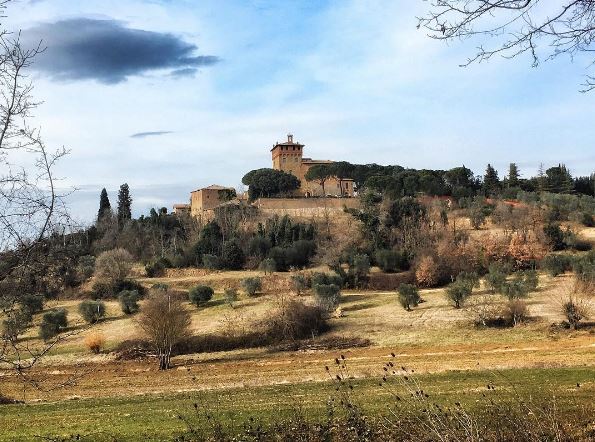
[288,156]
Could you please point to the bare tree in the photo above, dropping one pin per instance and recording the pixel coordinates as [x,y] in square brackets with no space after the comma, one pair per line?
[517,26]
[165,321]
[31,209]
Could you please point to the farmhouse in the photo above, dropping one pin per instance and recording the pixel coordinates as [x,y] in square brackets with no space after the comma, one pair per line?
[288,157]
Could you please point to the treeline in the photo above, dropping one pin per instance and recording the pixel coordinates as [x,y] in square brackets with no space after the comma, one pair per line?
[397,181]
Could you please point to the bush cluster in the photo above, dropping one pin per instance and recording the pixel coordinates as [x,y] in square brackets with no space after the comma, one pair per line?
[201,294]
[52,323]
[92,311]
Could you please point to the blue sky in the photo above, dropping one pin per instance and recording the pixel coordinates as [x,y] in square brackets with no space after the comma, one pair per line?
[208,86]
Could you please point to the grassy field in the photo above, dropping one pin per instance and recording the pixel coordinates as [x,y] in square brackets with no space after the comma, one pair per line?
[119,400]
[155,416]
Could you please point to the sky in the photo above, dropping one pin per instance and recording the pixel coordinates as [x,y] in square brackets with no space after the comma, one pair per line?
[173,95]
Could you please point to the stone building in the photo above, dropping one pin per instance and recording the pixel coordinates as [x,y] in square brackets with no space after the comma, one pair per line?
[203,201]
[288,157]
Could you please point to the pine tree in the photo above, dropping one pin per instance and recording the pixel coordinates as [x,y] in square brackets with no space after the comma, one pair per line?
[513,175]
[105,208]
[541,179]
[124,204]
[491,182]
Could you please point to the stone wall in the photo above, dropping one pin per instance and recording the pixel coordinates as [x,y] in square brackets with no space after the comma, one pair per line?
[305,207]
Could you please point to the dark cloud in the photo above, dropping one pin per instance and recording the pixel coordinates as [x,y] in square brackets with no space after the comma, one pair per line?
[110,52]
[150,134]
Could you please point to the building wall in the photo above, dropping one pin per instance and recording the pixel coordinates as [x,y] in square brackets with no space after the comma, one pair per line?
[289,158]
[306,207]
[204,199]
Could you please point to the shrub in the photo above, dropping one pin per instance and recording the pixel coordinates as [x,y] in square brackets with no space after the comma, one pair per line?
[129,301]
[408,296]
[92,311]
[155,269]
[458,292]
[232,256]
[515,311]
[391,261]
[230,295]
[95,342]
[359,270]
[587,219]
[15,323]
[293,320]
[85,267]
[299,283]
[575,310]
[496,277]
[427,273]
[531,279]
[52,323]
[555,236]
[584,269]
[318,278]
[165,321]
[471,279]
[252,285]
[520,285]
[556,264]
[200,295]
[32,303]
[113,266]
[327,296]
[211,262]
[268,265]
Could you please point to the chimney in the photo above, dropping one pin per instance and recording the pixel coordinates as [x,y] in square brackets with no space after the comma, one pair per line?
[289,138]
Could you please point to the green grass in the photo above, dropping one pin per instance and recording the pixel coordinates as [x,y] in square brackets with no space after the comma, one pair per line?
[155,417]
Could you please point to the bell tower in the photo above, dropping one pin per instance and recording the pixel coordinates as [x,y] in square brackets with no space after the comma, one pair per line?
[287,156]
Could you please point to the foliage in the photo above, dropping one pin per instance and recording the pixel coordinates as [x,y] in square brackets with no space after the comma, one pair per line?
[575,310]
[296,255]
[515,311]
[496,276]
[200,294]
[268,266]
[556,264]
[95,342]
[327,296]
[458,292]
[211,262]
[124,204]
[157,268]
[105,208]
[269,183]
[92,311]
[408,296]
[129,301]
[164,322]
[252,285]
[427,273]
[32,303]
[113,266]
[52,323]
[230,295]
[299,283]
[232,256]
[391,261]
[85,267]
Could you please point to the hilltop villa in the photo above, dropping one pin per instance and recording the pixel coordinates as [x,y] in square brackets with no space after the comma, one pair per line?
[288,157]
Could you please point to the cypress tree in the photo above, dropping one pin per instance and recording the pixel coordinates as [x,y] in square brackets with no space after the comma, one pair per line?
[513,175]
[491,182]
[105,207]
[124,204]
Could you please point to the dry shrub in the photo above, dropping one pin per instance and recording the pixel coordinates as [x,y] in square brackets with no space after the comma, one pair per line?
[95,342]
[515,312]
[427,273]
[525,250]
[576,309]
[113,266]
[483,310]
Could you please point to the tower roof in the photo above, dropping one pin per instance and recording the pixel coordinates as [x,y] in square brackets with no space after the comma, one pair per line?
[289,142]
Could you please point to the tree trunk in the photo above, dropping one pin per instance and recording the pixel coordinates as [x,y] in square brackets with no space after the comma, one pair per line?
[164,359]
